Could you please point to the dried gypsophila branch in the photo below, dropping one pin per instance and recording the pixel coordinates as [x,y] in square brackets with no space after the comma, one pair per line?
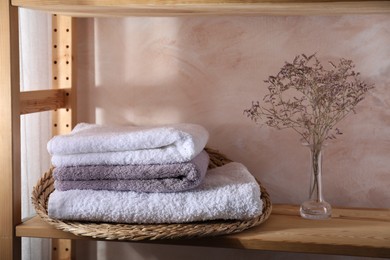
[310,99]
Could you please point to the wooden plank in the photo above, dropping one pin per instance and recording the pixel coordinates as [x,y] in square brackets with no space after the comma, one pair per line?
[63,120]
[62,72]
[205,7]
[349,235]
[10,187]
[355,232]
[44,100]
[35,227]
[347,213]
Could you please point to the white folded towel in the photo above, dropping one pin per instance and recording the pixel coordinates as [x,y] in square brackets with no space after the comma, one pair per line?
[90,144]
[227,192]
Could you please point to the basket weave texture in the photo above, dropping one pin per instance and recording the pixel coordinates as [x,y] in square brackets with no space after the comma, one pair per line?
[136,232]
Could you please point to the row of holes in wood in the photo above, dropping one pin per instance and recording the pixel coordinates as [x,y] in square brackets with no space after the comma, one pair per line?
[55,46]
[55,62]
[55,125]
[67,110]
[55,249]
[55,78]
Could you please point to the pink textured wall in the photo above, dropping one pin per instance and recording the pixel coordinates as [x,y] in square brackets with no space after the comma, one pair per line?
[207,70]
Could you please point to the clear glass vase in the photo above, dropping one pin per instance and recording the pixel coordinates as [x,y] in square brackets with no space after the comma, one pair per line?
[316,207]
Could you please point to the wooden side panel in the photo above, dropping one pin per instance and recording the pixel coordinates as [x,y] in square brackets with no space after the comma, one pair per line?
[10,198]
[64,119]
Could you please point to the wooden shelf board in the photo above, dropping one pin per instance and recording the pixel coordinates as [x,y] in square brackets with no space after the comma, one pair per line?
[82,8]
[43,100]
[359,232]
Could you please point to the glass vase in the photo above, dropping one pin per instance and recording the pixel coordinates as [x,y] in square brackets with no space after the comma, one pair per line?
[316,207]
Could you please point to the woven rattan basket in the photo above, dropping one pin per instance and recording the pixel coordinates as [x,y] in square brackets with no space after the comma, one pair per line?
[136,232]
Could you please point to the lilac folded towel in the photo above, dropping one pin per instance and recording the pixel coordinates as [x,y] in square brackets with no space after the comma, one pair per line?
[142,178]
[227,192]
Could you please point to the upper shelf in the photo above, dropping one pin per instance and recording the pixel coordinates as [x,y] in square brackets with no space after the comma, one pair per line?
[82,8]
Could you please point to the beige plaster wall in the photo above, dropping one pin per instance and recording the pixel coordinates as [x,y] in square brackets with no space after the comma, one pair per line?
[207,70]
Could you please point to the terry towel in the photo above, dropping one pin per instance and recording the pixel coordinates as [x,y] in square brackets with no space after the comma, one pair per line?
[142,178]
[227,192]
[90,144]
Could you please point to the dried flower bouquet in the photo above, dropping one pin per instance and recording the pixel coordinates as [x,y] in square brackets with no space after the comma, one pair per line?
[311,99]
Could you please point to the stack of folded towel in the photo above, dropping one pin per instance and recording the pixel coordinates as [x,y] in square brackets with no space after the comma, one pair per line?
[146,175]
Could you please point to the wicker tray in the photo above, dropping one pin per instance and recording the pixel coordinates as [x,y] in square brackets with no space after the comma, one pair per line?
[137,232]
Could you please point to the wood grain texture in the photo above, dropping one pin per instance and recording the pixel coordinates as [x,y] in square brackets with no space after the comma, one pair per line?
[61,249]
[10,200]
[43,100]
[62,68]
[202,7]
[35,227]
[63,120]
[355,232]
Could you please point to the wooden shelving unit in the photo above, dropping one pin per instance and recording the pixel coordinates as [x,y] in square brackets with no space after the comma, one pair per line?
[360,232]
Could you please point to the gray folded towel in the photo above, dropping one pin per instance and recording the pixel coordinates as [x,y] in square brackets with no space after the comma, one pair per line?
[142,178]
[227,192]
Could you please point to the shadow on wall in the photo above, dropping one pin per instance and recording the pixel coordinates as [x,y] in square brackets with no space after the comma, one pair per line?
[207,70]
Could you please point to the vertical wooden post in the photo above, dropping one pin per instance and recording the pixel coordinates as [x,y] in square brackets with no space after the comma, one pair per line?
[63,77]
[10,187]
[61,249]
[63,71]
